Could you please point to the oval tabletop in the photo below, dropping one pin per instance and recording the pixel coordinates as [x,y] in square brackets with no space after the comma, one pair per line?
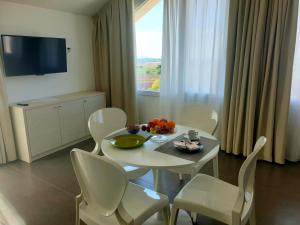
[145,156]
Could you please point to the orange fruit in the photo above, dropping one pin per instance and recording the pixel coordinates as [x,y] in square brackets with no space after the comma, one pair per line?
[171,124]
[155,121]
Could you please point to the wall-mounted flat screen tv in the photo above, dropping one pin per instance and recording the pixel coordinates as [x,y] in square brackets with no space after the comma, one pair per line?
[23,55]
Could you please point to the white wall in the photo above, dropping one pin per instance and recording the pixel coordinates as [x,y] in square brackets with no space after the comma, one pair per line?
[18,19]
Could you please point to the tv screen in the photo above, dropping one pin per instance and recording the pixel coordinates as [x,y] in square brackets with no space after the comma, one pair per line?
[24,55]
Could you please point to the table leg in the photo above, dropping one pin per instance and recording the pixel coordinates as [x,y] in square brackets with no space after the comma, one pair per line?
[158,187]
[216,167]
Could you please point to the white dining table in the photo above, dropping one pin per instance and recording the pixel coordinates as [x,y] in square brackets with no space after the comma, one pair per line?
[146,157]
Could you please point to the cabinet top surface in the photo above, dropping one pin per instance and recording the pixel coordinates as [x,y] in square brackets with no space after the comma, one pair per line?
[55,99]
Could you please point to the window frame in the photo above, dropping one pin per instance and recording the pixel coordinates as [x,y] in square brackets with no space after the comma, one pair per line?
[148,93]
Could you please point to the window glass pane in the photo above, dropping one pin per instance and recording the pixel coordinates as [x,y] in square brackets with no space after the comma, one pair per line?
[149,48]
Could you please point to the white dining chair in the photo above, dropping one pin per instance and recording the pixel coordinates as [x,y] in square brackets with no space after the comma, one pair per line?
[205,118]
[105,121]
[202,117]
[107,198]
[212,197]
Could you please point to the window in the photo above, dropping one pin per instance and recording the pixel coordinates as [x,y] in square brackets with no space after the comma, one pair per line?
[295,91]
[148,28]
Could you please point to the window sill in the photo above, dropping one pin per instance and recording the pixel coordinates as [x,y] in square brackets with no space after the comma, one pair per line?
[149,93]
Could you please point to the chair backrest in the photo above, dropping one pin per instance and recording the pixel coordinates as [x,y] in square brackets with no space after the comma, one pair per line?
[104,121]
[246,182]
[102,181]
[202,117]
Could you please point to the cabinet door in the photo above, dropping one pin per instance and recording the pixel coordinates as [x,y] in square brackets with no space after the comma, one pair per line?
[92,104]
[43,129]
[72,121]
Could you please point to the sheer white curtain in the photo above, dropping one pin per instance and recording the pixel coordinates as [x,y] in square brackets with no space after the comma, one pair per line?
[194,54]
[293,140]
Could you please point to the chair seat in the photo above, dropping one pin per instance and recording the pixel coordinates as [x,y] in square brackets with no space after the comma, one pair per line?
[208,196]
[142,202]
[139,202]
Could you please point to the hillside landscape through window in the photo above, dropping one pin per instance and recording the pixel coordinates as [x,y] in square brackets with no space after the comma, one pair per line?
[149,49]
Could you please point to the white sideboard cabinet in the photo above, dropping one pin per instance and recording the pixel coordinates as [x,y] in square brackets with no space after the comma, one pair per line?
[51,124]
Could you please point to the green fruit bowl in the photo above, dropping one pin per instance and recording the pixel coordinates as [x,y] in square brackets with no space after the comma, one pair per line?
[128,141]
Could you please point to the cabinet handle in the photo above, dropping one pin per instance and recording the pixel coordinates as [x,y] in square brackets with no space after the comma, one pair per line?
[59,106]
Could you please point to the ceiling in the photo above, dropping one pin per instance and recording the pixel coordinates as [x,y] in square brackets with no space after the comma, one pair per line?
[84,7]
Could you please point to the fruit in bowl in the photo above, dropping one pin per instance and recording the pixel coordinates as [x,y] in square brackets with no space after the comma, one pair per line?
[133,129]
[159,126]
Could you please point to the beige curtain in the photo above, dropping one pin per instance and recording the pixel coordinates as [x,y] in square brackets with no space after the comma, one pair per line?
[114,57]
[7,145]
[261,43]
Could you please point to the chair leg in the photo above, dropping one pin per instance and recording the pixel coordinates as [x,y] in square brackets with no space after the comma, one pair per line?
[252,220]
[180,176]
[166,215]
[78,200]
[174,214]
[194,217]
[216,167]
